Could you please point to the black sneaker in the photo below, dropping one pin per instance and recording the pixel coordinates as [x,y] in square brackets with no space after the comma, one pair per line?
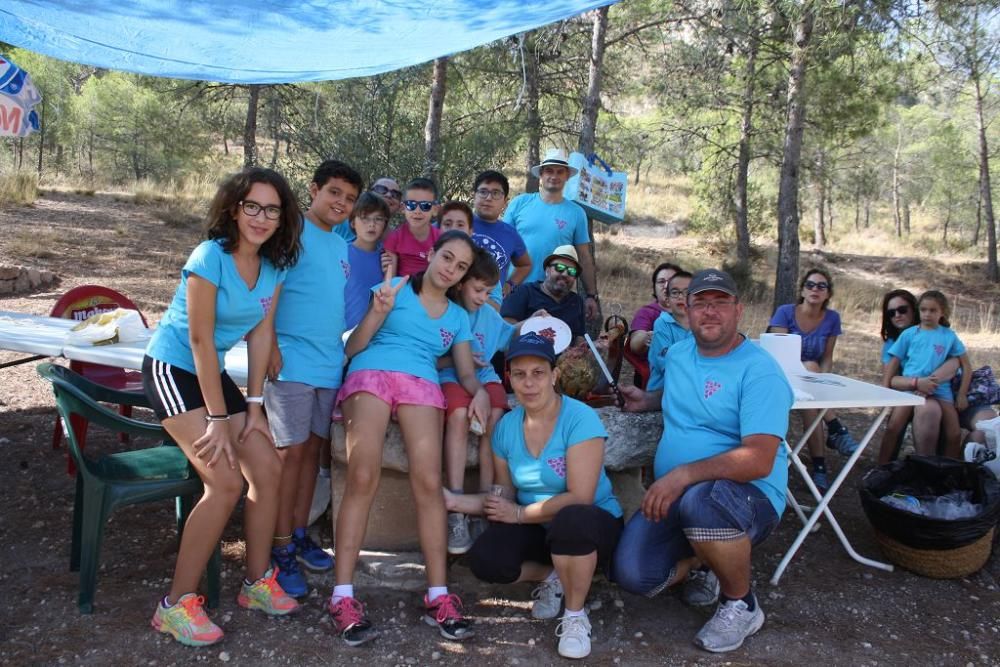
[446,614]
[351,623]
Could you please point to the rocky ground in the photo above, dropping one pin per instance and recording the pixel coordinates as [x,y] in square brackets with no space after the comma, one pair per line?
[827,609]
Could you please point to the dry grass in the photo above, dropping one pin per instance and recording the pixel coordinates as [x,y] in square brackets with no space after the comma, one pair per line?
[33,243]
[660,198]
[18,189]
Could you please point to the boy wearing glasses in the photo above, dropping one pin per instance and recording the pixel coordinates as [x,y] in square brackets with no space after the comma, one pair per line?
[554,294]
[368,221]
[385,187]
[410,244]
[490,191]
[306,366]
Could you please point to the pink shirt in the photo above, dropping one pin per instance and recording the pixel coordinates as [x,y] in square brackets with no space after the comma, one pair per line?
[411,252]
[645,317]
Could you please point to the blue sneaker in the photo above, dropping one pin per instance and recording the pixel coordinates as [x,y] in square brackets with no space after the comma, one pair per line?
[821,480]
[290,578]
[842,442]
[312,557]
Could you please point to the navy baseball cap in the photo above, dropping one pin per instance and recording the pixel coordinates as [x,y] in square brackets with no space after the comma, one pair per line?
[531,345]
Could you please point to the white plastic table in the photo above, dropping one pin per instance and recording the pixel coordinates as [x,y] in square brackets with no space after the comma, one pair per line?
[825,391]
[45,336]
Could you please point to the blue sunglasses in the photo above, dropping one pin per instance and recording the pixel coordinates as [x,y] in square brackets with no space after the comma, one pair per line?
[412,205]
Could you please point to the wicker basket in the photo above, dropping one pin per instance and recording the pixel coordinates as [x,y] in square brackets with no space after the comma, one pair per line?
[939,564]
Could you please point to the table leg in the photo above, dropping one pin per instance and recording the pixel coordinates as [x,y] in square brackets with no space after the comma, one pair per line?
[822,508]
[23,360]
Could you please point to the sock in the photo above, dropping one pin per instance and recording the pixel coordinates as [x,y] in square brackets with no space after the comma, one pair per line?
[434,592]
[750,599]
[834,427]
[819,464]
[342,591]
[457,492]
[553,576]
[299,533]
[569,613]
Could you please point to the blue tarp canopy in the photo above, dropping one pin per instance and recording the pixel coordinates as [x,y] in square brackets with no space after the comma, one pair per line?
[269,41]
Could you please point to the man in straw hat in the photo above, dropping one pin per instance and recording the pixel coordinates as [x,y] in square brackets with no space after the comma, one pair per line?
[546,220]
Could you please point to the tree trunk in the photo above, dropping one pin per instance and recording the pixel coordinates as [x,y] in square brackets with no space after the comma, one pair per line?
[250,129]
[432,129]
[819,186]
[992,271]
[592,101]
[896,213]
[787,270]
[868,212]
[741,199]
[829,204]
[906,217]
[857,208]
[41,137]
[979,217]
[534,118]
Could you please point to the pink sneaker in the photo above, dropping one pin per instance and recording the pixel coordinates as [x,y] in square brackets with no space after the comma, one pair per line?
[351,623]
[446,613]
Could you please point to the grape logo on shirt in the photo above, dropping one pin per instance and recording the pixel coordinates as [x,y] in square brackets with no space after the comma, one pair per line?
[482,340]
[491,246]
[711,386]
[558,465]
[446,337]
[265,303]
[663,351]
[347,269]
[939,350]
[561,224]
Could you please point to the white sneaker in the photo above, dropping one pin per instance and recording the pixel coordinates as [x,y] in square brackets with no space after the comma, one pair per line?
[732,623]
[574,636]
[459,540]
[321,496]
[701,588]
[548,597]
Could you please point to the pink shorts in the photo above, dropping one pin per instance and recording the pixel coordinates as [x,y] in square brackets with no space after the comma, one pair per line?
[393,388]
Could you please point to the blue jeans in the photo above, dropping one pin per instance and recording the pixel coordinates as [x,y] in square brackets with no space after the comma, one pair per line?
[711,511]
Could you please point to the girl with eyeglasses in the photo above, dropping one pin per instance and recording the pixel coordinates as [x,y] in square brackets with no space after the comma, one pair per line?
[409,245]
[819,326]
[393,371]
[229,289]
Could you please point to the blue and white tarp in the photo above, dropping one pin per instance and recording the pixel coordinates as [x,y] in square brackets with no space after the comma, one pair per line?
[269,41]
[18,97]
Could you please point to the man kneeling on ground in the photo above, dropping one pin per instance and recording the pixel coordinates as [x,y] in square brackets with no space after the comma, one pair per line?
[720,468]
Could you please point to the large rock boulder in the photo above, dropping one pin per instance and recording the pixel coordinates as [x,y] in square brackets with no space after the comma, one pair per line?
[631,442]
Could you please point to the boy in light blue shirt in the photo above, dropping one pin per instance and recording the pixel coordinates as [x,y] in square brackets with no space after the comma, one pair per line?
[306,368]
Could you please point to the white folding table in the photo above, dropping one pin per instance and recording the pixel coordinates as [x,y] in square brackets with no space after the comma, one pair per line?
[46,336]
[822,392]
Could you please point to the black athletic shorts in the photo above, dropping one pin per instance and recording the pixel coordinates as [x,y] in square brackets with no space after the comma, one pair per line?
[172,391]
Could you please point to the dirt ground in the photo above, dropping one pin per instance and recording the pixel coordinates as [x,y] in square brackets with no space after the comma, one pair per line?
[826,610]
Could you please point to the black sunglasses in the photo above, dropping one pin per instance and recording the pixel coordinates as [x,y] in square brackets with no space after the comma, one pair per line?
[570,271]
[892,312]
[386,192]
[412,205]
[811,285]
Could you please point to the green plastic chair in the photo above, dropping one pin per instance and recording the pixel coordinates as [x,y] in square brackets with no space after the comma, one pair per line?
[119,479]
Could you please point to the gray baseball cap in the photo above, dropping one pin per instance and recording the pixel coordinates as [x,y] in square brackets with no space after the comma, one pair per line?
[712,279]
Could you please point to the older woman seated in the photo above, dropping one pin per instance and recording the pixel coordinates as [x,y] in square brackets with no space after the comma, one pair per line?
[553,516]
[645,317]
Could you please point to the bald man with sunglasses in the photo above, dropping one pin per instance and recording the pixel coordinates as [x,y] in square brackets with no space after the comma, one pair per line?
[554,294]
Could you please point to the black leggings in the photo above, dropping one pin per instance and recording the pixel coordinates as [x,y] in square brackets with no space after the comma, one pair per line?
[576,530]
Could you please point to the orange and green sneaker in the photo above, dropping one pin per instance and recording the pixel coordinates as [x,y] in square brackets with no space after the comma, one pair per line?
[267,595]
[187,621]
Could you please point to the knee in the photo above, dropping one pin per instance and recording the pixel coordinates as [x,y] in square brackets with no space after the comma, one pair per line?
[458,418]
[227,487]
[487,565]
[362,480]
[568,525]
[691,505]
[627,572]
[425,483]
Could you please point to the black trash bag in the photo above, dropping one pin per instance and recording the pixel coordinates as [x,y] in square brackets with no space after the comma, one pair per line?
[922,476]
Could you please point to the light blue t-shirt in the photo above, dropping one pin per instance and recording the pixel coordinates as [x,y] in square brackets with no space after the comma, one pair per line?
[538,479]
[666,332]
[886,346]
[344,231]
[490,333]
[410,341]
[544,227]
[238,309]
[920,351]
[813,342]
[310,317]
[366,271]
[712,403]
